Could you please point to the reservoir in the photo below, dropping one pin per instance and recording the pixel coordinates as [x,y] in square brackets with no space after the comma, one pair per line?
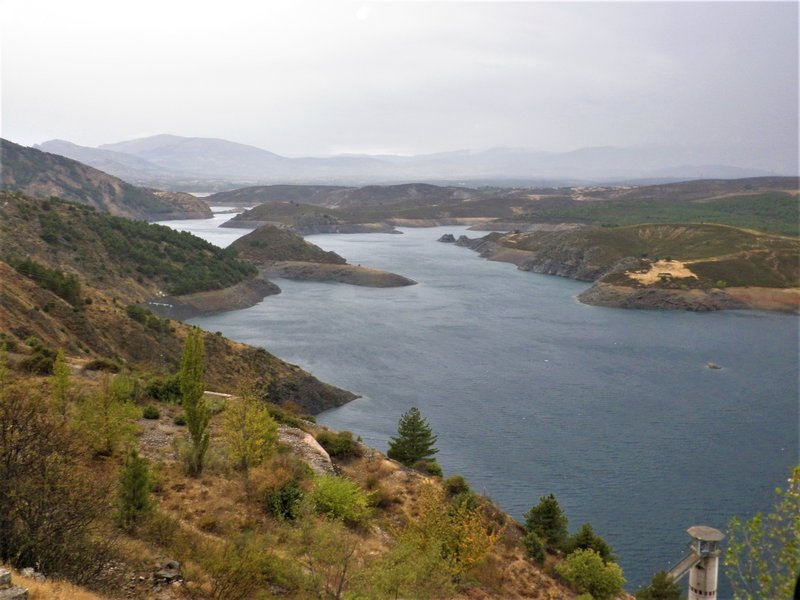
[530,392]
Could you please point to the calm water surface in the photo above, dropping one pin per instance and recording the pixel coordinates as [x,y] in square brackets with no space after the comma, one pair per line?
[531,392]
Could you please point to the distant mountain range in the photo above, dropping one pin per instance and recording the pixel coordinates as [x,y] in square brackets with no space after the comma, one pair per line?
[191,163]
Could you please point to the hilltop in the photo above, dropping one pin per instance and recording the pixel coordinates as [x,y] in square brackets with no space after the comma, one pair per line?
[279,252]
[40,174]
[698,267]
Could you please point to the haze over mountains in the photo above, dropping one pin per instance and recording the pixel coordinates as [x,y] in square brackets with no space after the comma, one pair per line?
[170,161]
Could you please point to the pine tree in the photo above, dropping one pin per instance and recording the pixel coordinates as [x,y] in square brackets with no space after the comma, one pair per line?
[192,384]
[548,521]
[134,490]
[414,441]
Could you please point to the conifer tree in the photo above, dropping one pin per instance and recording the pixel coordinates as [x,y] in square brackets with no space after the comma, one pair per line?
[548,522]
[192,384]
[134,490]
[414,441]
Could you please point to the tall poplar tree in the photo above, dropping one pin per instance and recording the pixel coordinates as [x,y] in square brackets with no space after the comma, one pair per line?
[192,383]
[414,441]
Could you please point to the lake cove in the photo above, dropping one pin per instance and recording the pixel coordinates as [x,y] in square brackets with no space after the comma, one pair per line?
[530,392]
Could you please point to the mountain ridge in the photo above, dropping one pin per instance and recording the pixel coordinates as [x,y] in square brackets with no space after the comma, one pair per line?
[214,159]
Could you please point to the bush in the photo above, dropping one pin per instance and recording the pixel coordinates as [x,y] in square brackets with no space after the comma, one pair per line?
[283,503]
[339,498]
[534,546]
[661,587]
[102,364]
[151,412]
[180,419]
[586,570]
[164,389]
[429,467]
[339,445]
[585,539]
[455,485]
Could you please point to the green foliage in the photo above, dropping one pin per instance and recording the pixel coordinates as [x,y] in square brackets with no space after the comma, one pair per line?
[41,361]
[180,419]
[455,485]
[251,434]
[192,384]
[52,505]
[60,384]
[534,546]
[586,570]
[106,421]
[548,522]
[147,318]
[774,212]
[165,389]
[134,491]
[284,502]
[338,445]
[586,538]
[763,555]
[429,467]
[408,571]
[661,587]
[415,440]
[459,532]
[341,499]
[183,263]
[151,412]
[327,552]
[58,282]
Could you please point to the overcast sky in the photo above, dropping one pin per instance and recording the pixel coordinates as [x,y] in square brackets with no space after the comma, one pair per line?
[314,78]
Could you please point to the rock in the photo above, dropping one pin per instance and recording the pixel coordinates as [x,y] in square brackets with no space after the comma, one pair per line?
[447,238]
[8,591]
[712,365]
[462,239]
[307,449]
[168,573]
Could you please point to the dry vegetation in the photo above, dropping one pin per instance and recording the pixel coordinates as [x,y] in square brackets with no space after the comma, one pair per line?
[229,542]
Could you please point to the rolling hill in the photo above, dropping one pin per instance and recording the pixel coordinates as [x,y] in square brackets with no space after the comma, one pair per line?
[78,279]
[41,174]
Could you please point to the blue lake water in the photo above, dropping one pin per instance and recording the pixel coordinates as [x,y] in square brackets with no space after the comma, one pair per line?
[530,392]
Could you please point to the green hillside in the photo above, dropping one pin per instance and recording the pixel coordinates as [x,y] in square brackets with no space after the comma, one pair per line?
[113,252]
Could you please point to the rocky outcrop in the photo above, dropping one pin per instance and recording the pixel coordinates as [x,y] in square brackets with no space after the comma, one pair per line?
[448,238]
[350,274]
[604,294]
[307,449]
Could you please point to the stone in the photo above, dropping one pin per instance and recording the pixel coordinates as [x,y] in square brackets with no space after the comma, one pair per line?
[447,238]
[5,579]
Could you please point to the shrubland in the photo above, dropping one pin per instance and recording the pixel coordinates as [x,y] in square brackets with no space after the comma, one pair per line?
[93,493]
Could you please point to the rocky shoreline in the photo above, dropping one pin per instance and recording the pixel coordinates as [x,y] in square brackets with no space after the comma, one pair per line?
[236,297]
[338,273]
[583,266]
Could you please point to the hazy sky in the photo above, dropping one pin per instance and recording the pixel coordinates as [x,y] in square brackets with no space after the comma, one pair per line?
[306,78]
